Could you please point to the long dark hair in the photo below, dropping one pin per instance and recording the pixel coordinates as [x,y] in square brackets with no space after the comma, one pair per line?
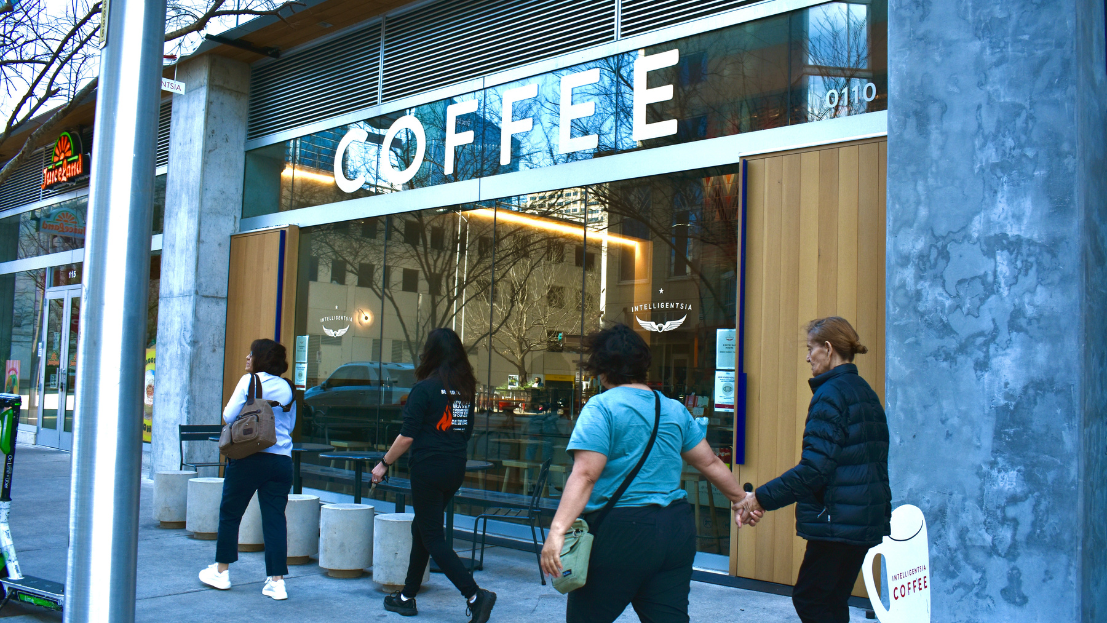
[444,355]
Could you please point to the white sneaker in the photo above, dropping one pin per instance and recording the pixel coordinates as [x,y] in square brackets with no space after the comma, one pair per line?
[275,589]
[210,575]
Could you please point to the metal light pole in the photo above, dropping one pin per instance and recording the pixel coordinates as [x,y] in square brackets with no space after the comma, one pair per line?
[107,442]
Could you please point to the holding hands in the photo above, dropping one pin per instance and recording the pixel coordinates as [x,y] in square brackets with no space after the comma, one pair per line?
[747,512]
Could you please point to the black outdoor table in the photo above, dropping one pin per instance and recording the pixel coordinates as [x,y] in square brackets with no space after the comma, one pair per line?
[297,450]
[470,466]
[358,457]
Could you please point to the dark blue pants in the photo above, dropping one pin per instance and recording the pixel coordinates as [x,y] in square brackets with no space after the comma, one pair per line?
[270,475]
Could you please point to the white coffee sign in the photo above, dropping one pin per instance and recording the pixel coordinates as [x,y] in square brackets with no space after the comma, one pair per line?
[906,555]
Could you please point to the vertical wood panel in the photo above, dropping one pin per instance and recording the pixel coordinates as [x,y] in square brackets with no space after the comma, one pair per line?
[743,543]
[816,238]
[787,341]
[770,355]
[252,299]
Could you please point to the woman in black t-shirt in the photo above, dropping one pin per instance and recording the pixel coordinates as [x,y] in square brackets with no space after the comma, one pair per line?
[438,422]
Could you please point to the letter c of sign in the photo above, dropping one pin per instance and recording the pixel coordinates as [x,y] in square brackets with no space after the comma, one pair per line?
[407,122]
[348,185]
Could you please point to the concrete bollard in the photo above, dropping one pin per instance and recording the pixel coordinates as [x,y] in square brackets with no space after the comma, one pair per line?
[392,549]
[250,536]
[202,516]
[171,497]
[302,516]
[345,539]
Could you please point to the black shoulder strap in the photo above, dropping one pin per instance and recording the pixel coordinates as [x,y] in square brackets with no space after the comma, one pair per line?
[286,408]
[254,391]
[634,472]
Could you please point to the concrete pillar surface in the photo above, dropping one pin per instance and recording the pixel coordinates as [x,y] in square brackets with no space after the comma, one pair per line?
[202,517]
[392,549]
[302,515]
[345,539]
[996,299]
[250,536]
[203,201]
[171,497]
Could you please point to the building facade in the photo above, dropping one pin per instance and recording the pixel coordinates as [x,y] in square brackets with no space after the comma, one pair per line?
[714,176]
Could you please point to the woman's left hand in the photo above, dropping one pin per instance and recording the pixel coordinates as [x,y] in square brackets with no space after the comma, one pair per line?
[551,554]
[379,472]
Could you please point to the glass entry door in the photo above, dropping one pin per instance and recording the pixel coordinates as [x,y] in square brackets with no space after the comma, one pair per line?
[59,370]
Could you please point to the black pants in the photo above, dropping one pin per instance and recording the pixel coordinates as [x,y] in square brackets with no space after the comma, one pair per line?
[270,475]
[434,480]
[825,581]
[640,556]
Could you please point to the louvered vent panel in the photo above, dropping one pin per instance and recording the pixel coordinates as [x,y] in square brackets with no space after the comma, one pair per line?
[334,78]
[639,16]
[450,41]
[161,157]
[24,186]
[86,139]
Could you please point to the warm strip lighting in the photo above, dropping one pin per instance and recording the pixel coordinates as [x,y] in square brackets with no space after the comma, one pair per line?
[549,225]
[318,177]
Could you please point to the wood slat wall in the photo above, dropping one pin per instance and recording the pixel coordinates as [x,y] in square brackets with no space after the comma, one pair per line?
[252,298]
[815,247]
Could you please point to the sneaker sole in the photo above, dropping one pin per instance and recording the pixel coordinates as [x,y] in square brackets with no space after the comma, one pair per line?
[401,611]
[222,588]
[275,597]
[488,614]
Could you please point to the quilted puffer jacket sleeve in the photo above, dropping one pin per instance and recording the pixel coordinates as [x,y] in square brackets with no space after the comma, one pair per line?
[823,438]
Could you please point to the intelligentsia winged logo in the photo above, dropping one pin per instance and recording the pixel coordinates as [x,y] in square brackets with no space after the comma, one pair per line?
[661,327]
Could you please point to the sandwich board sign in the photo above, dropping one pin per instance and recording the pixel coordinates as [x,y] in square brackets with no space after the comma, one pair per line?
[906,555]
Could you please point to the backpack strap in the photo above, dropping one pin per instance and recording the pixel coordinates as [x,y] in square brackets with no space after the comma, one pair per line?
[286,408]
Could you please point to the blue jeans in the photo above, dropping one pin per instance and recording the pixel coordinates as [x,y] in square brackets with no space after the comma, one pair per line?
[270,475]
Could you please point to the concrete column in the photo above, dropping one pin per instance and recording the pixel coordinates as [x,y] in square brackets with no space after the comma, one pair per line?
[996,277]
[203,201]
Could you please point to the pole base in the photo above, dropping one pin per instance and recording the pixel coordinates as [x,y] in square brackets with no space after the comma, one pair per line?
[204,536]
[250,547]
[345,574]
[299,560]
[171,525]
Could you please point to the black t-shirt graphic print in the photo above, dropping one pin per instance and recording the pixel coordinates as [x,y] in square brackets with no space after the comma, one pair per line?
[439,423]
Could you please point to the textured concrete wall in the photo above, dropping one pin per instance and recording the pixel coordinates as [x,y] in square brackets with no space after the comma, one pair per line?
[202,206]
[1091,190]
[995,274]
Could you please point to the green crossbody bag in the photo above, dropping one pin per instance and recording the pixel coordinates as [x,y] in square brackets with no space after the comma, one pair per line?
[577,551]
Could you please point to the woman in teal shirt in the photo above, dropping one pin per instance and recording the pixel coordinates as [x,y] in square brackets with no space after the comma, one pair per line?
[643,549]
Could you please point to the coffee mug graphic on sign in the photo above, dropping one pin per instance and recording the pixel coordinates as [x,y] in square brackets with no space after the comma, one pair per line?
[907,562]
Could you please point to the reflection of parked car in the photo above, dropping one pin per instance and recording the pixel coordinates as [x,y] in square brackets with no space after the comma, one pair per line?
[349,399]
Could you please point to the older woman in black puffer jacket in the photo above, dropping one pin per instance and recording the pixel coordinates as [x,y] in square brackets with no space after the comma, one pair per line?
[840,487]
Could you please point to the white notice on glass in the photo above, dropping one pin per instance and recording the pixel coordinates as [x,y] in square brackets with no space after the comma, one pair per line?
[726,344]
[301,349]
[724,390]
[301,375]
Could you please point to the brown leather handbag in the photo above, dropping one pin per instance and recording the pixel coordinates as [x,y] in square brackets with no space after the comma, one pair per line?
[254,429]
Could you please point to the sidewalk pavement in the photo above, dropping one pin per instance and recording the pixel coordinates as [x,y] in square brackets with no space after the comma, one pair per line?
[168,561]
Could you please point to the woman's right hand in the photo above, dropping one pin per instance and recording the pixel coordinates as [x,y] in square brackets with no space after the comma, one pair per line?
[551,553]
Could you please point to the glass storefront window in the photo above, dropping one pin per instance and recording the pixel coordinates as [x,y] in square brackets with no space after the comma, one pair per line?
[522,280]
[21,296]
[812,64]
[59,227]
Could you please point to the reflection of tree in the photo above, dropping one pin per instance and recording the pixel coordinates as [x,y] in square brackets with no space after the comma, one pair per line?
[838,51]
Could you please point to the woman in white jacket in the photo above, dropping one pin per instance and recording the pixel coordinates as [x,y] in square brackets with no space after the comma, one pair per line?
[268,473]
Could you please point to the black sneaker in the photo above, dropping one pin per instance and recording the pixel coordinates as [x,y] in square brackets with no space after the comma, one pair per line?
[393,603]
[481,609]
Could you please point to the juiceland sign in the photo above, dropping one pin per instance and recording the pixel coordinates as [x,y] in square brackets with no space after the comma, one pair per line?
[510,126]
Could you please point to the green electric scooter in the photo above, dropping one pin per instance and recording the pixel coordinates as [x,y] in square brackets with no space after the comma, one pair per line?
[15,585]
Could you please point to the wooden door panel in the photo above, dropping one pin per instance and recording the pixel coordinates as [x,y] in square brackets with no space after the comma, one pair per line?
[815,246]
